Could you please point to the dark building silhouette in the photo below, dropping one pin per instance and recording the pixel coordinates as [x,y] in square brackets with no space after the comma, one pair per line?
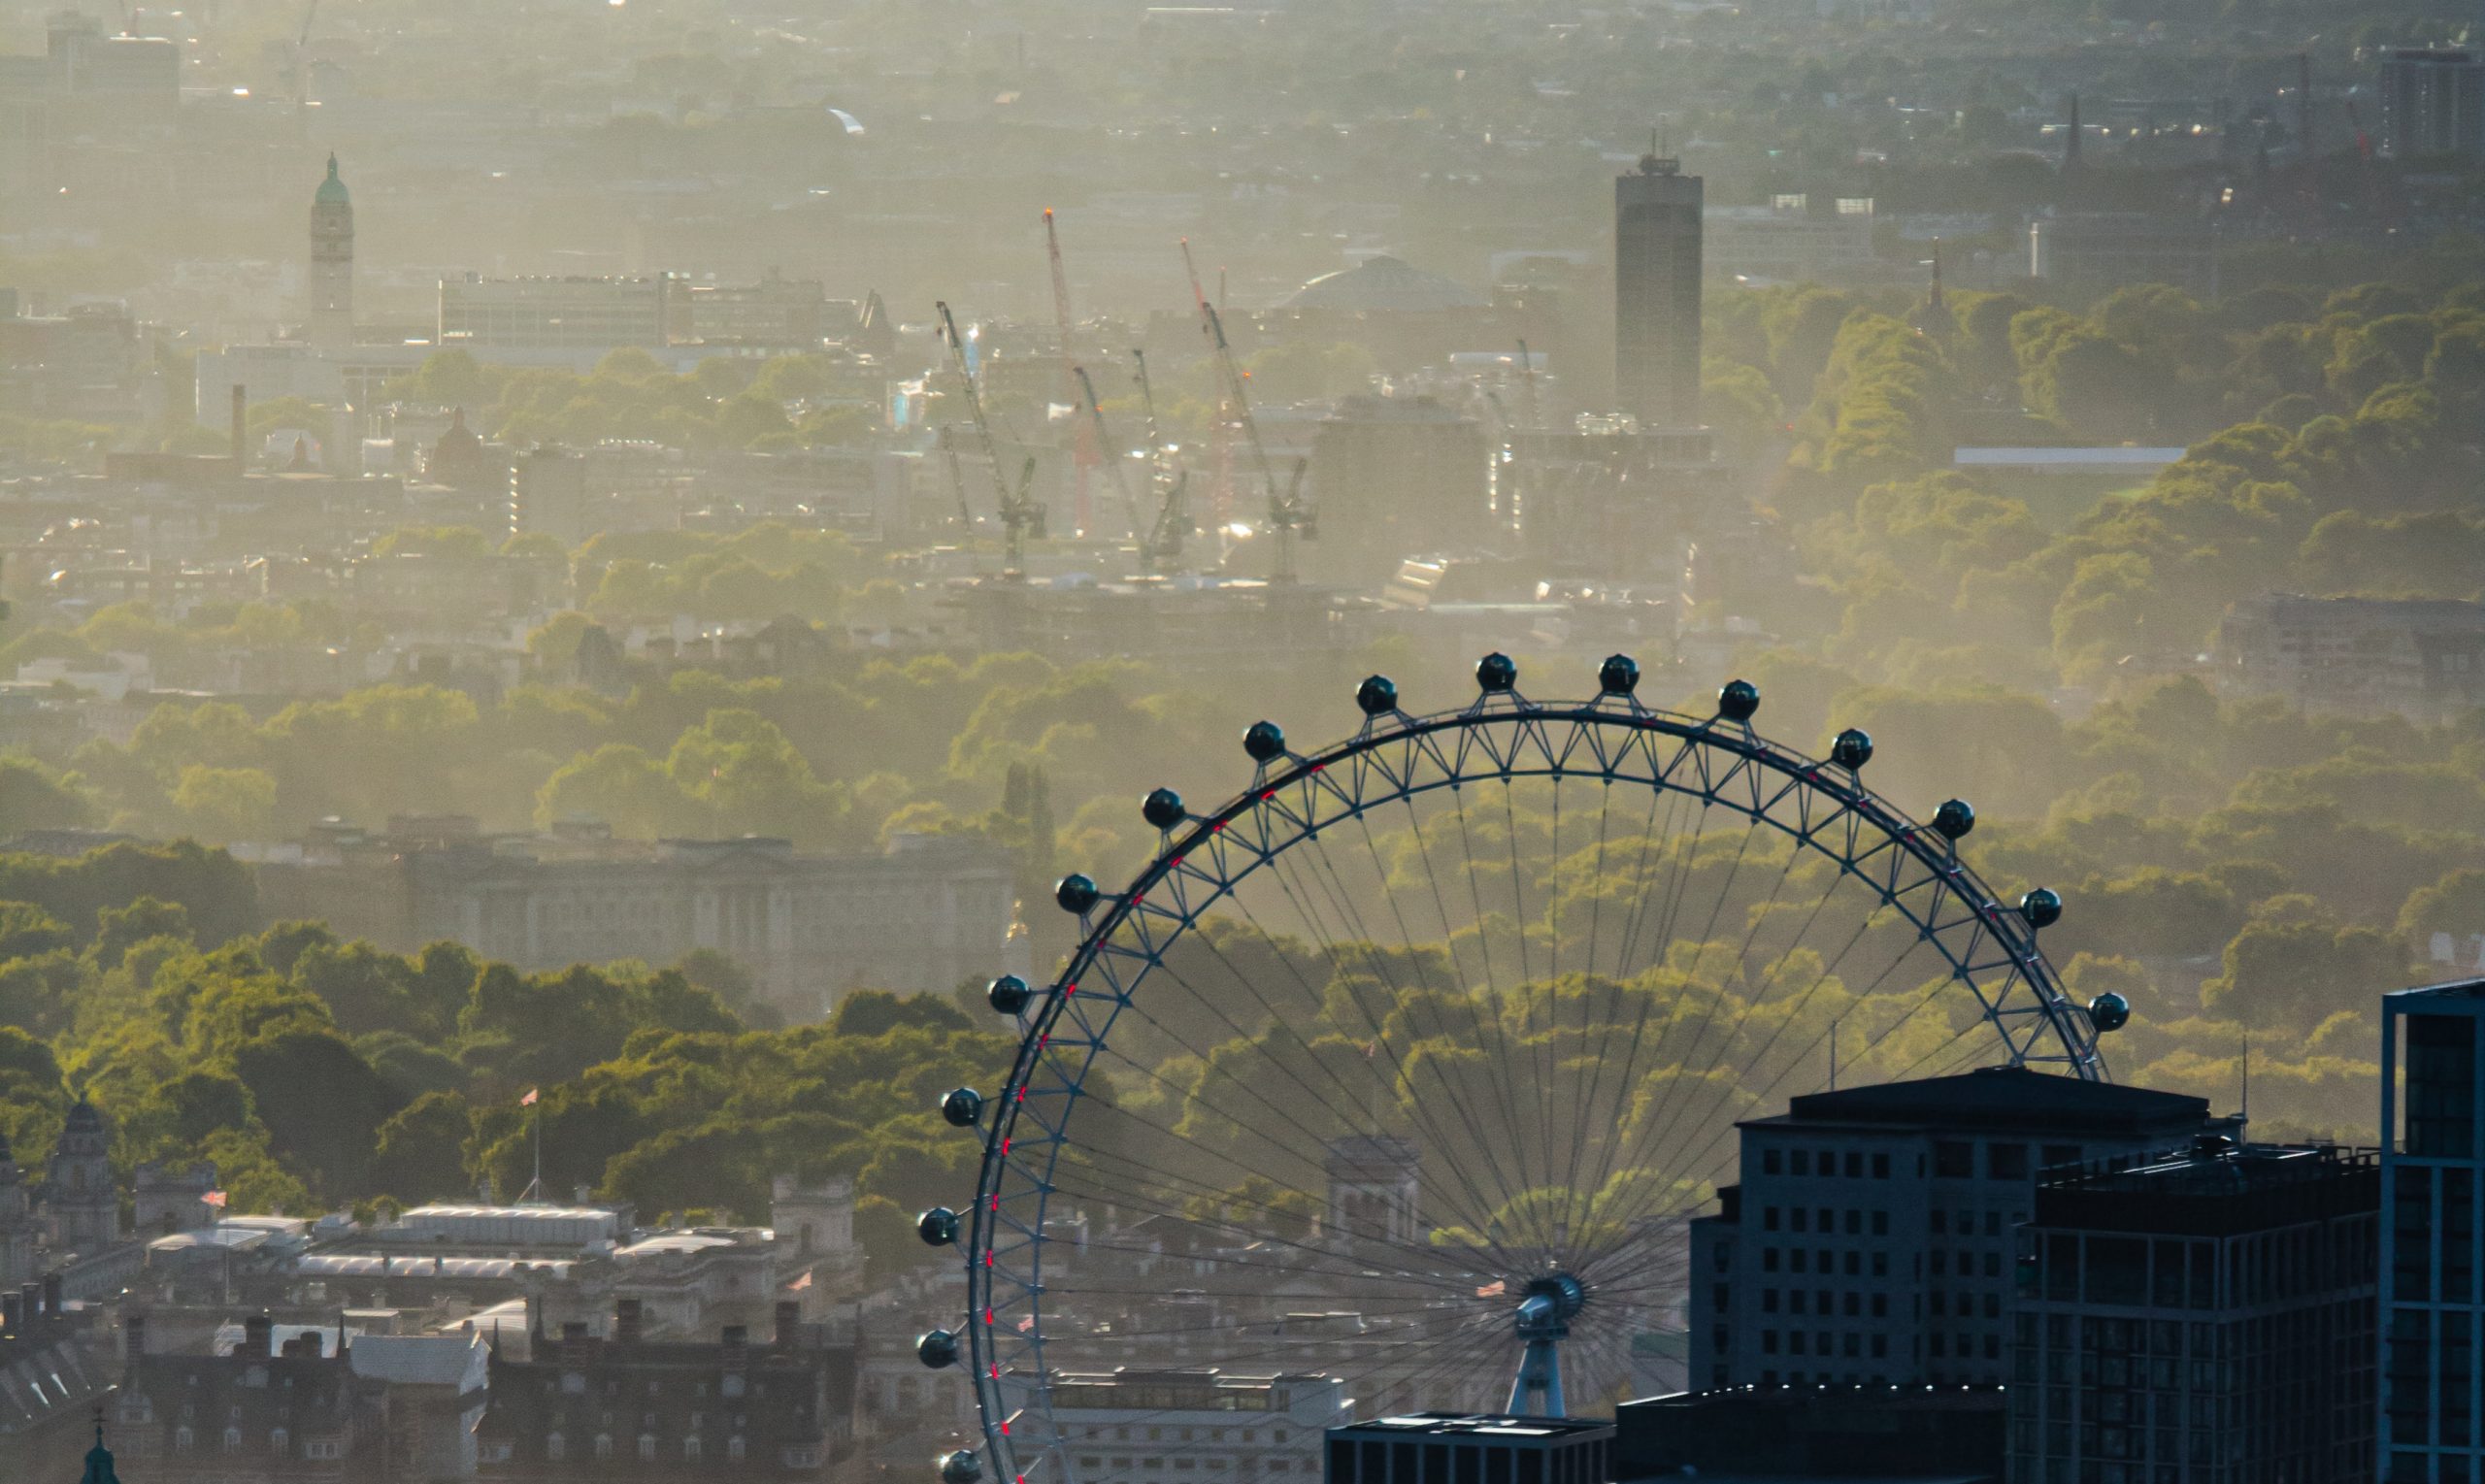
[585,1408]
[1656,293]
[2204,1317]
[1436,1447]
[1813,1432]
[2432,1042]
[2433,103]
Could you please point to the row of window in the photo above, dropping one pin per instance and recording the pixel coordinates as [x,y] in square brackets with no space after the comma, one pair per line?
[1801,1259]
[558,1447]
[1122,1462]
[1800,1162]
[1823,1343]
[1824,1301]
[1158,1435]
[1799,1219]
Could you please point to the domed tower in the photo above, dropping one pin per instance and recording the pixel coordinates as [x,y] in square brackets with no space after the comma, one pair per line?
[17,1262]
[332,263]
[81,1205]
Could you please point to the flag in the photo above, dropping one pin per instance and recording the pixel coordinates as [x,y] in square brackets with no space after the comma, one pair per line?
[213,1197]
[798,1284]
[1493,1289]
[529,1099]
[1027,1324]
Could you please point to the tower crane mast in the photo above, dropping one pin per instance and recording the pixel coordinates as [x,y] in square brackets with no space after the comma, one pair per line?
[1085,452]
[1020,515]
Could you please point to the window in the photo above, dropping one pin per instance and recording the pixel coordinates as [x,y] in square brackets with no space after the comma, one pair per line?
[734,1448]
[1801,1218]
[603,1445]
[1880,1265]
[1799,1161]
[1954,1159]
[691,1450]
[1769,1301]
[330,1449]
[1770,1162]
[1880,1305]
[1769,1341]
[182,1439]
[1769,1259]
[1880,1222]
[555,1447]
[279,1442]
[1854,1222]
[1854,1165]
[2005,1162]
[1880,1167]
[1769,1218]
[1940,1223]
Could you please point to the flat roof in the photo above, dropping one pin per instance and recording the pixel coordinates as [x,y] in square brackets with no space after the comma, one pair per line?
[2014,1098]
[2454,989]
[1476,1425]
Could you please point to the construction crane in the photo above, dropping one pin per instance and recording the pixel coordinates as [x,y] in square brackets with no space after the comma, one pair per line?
[1020,515]
[1085,452]
[1220,433]
[302,63]
[1287,514]
[1095,421]
[1174,525]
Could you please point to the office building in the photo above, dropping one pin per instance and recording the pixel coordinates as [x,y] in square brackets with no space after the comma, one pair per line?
[547,495]
[1394,477]
[565,314]
[2432,103]
[1871,1238]
[1656,294]
[2106,249]
[2423,658]
[2431,1044]
[1794,239]
[331,322]
[1134,1423]
[2205,1317]
[1457,1448]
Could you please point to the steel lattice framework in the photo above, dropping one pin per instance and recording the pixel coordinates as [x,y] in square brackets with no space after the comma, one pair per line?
[1914,870]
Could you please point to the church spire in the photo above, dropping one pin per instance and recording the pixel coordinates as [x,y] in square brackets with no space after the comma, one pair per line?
[99,1460]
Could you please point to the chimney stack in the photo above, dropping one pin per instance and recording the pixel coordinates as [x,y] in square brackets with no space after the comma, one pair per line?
[240,427]
[30,1305]
[12,1316]
[789,1323]
[737,1346]
[256,1330]
[53,1306]
[133,1339]
[311,1346]
[628,1319]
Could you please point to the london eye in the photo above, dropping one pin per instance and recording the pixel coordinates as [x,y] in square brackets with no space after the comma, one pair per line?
[1410,1064]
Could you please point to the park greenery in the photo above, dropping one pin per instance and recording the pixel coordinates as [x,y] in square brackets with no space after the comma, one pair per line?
[2251,877]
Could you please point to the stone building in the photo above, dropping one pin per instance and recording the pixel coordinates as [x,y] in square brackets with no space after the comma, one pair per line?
[80,1202]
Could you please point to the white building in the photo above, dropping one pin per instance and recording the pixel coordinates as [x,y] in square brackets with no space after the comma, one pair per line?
[1139,1427]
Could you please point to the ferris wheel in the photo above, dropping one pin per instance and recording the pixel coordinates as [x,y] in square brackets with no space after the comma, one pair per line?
[1408,1064]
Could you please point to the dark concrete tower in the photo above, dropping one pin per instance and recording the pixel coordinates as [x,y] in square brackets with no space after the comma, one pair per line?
[1656,294]
[332,263]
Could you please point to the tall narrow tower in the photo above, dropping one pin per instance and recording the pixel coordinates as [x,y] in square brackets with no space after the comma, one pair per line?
[1656,293]
[332,263]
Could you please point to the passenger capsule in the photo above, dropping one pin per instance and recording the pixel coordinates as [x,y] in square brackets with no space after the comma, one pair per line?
[1162,808]
[1377,695]
[1496,674]
[1954,820]
[1618,675]
[1738,700]
[2109,1013]
[936,1349]
[1264,740]
[938,1227]
[1076,894]
[1852,749]
[2043,907]
[961,1467]
[962,1106]
[1008,994]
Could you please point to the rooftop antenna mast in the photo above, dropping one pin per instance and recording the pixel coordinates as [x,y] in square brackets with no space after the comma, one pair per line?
[1020,516]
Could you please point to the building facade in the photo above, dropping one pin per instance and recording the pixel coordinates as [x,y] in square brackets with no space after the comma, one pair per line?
[1394,477]
[1438,1447]
[2431,1042]
[1142,1424]
[1656,293]
[2432,103]
[2423,658]
[924,915]
[2207,1317]
[81,1202]
[1871,1239]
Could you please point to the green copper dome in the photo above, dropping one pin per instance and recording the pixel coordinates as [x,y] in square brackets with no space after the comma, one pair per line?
[332,189]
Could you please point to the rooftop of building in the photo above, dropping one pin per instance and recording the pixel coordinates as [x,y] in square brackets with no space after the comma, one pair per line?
[2215,1188]
[1385,283]
[2468,993]
[1493,1425]
[2002,1099]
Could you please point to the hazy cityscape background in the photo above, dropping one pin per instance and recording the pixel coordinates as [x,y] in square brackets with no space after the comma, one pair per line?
[576,573]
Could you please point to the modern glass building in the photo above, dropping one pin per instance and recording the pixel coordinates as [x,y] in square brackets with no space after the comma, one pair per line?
[2430,1093]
